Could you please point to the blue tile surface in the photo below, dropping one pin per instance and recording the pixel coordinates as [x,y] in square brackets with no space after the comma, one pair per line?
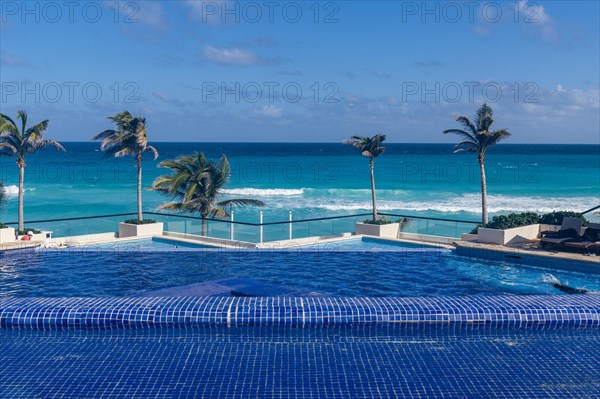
[55,313]
[321,361]
[293,347]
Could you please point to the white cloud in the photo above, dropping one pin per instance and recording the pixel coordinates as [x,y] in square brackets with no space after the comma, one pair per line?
[268,111]
[234,56]
[535,15]
[531,17]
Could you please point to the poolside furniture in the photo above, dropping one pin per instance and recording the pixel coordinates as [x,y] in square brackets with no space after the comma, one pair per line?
[589,241]
[569,230]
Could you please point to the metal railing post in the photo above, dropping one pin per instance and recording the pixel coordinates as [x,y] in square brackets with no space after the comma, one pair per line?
[260,231]
[231,227]
[290,234]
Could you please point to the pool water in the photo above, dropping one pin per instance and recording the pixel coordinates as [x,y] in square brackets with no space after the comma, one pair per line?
[408,271]
[145,244]
[367,243]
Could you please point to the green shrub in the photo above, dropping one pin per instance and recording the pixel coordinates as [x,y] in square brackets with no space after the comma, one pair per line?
[379,222]
[503,222]
[474,231]
[556,217]
[2,225]
[28,229]
[137,221]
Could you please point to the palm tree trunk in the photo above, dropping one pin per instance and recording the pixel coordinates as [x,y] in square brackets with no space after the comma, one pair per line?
[372,167]
[204,226]
[21,192]
[484,211]
[139,187]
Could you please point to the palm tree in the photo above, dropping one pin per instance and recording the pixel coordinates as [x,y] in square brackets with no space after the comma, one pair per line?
[17,143]
[129,139]
[371,148]
[196,184]
[2,195]
[477,139]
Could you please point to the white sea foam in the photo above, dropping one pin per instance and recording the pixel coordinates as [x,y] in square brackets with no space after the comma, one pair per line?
[263,192]
[550,279]
[13,191]
[450,203]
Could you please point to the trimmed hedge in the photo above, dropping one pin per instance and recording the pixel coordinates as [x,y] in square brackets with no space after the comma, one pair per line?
[137,221]
[378,222]
[28,229]
[503,222]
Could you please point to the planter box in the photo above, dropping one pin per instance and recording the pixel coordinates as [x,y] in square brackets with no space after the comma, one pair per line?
[139,230]
[7,234]
[389,230]
[508,236]
[468,237]
[41,236]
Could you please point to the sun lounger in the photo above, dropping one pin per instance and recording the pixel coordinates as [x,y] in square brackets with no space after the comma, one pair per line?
[569,231]
[589,241]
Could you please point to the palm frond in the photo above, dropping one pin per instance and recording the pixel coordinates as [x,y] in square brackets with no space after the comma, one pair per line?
[242,202]
[128,139]
[37,130]
[18,142]
[104,135]
[463,120]
[7,149]
[39,144]
[478,137]
[152,150]
[218,213]
[7,118]
[195,183]
[368,146]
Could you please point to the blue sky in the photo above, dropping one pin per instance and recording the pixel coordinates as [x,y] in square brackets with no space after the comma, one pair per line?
[304,71]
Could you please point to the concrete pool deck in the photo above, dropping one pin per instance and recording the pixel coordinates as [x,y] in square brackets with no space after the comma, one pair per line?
[529,252]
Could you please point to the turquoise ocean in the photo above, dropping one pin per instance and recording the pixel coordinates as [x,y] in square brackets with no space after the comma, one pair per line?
[314,180]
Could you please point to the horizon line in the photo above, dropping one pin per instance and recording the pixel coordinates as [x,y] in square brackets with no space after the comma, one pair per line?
[320,142]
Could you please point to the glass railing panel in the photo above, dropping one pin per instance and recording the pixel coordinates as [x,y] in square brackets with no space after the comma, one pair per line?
[65,228]
[251,232]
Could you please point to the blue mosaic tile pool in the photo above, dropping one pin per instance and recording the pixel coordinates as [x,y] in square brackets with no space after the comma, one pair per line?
[484,347]
[458,346]
[408,270]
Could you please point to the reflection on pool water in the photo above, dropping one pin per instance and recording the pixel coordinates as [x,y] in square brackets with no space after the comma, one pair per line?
[367,270]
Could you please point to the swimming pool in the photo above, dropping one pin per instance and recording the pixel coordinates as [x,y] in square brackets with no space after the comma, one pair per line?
[367,244]
[145,244]
[408,270]
[444,326]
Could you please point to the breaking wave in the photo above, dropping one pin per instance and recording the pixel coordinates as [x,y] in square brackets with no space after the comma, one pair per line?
[13,191]
[358,200]
[264,192]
